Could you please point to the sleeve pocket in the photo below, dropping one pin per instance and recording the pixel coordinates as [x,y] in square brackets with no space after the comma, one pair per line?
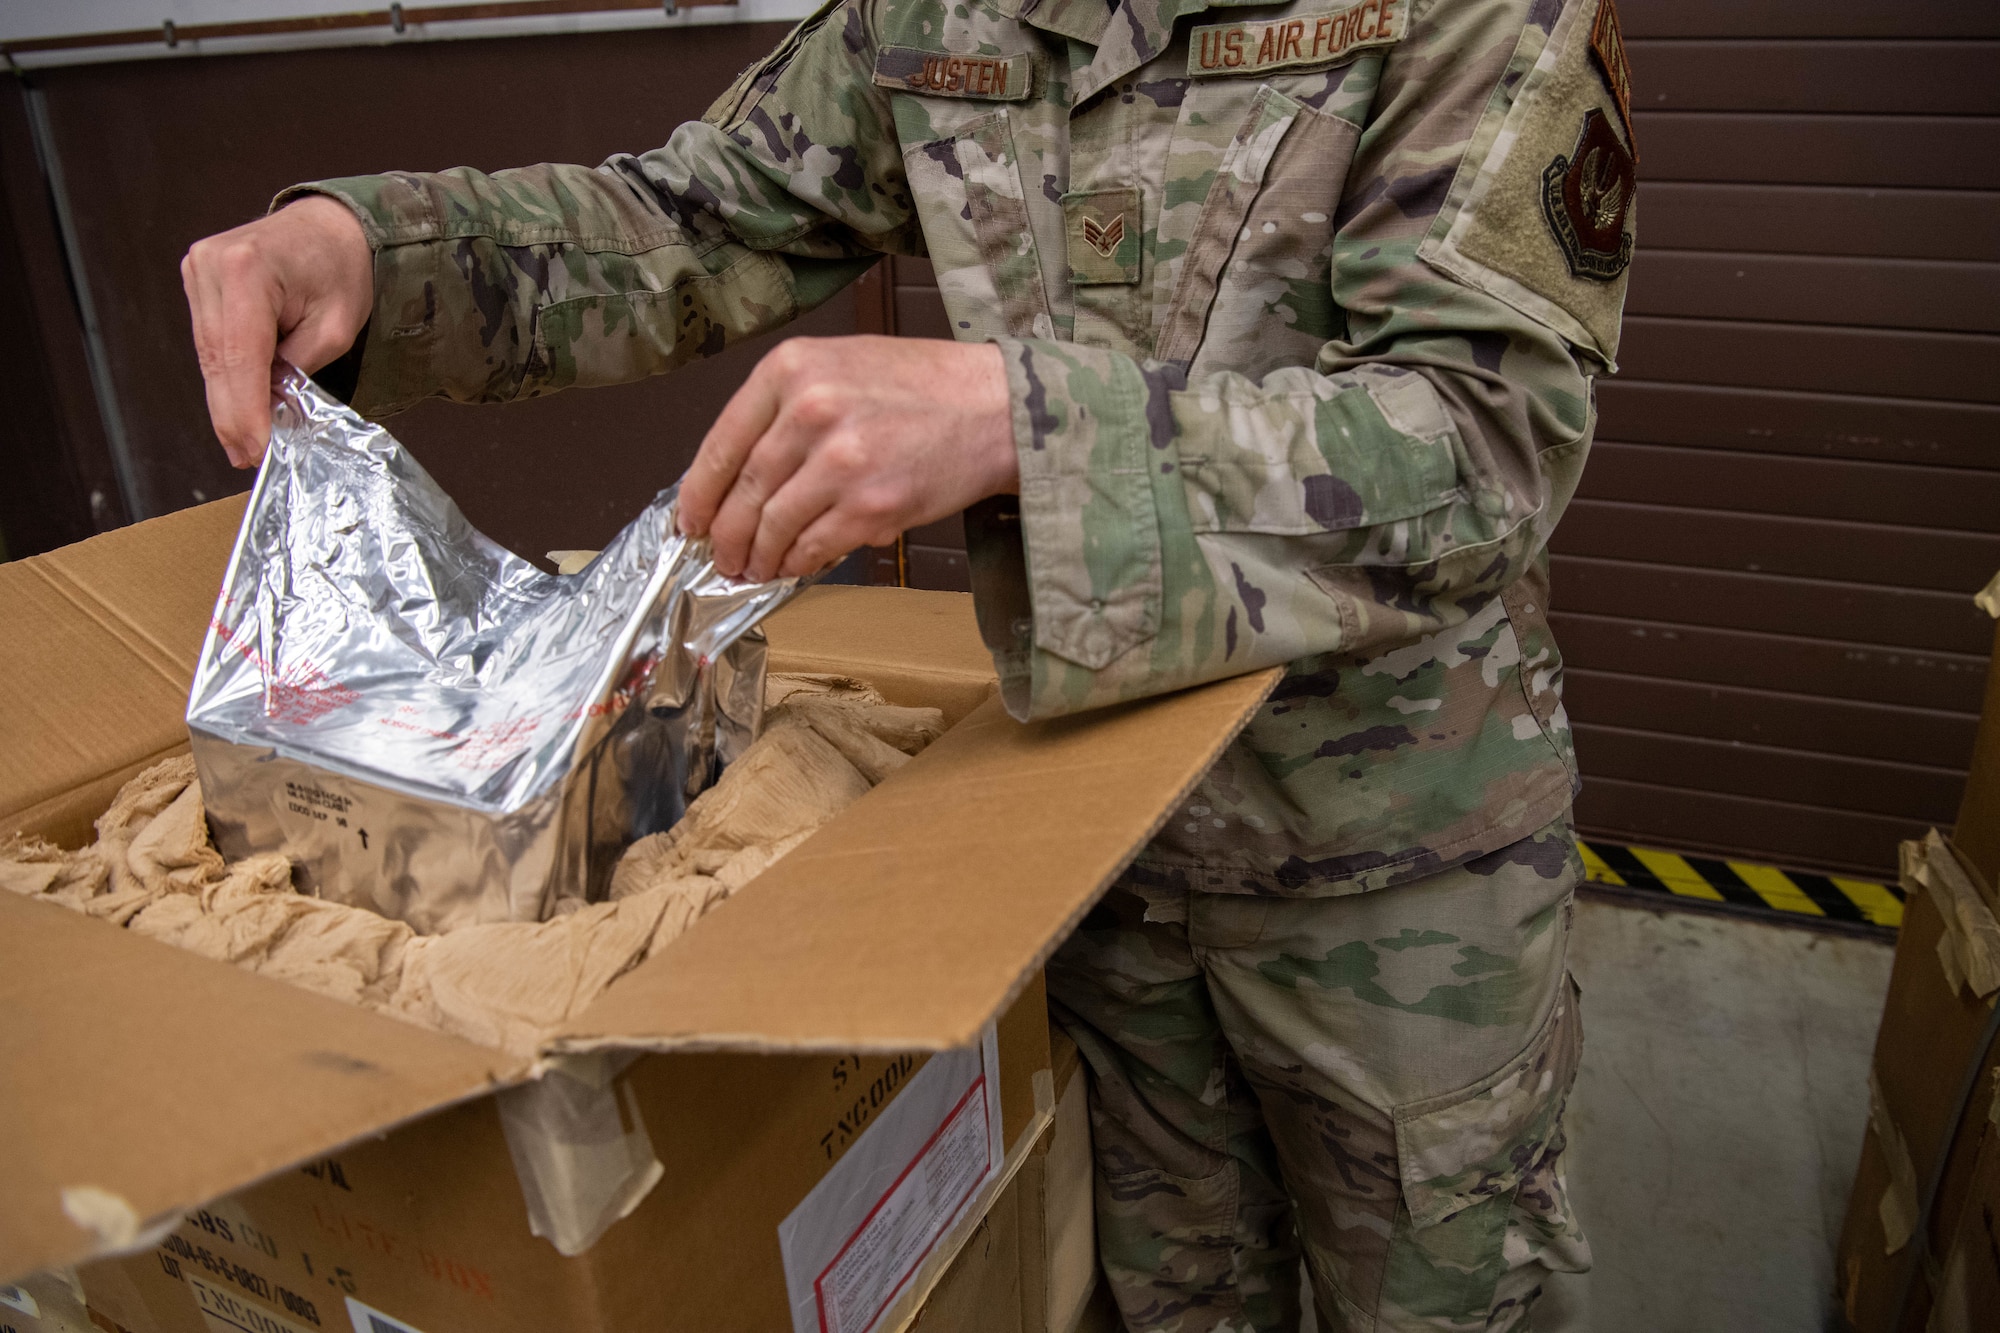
[1297,461]
[1465,1147]
[620,336]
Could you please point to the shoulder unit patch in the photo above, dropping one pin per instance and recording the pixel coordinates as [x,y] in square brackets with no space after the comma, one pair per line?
[1307,41]
[1585,197]
[1554,151]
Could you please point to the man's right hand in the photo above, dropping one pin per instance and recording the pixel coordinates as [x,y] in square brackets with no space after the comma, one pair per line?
[296,286]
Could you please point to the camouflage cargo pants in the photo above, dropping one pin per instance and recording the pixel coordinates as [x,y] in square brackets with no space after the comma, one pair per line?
[1377,1079]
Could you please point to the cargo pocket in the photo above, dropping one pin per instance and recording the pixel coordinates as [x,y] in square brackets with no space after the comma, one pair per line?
[1338,474]
[1477,1145]
[975,218]
[1159,1232]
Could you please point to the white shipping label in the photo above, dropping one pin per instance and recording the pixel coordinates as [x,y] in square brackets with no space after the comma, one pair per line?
[225,1312]
[855,1242]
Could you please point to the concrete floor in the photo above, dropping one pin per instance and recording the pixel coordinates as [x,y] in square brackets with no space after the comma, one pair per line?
[1716,1120]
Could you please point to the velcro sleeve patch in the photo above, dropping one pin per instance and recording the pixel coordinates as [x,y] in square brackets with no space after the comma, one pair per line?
[945,74]
[1305,41]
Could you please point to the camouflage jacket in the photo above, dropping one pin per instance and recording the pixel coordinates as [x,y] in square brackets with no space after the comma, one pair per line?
[1300,303]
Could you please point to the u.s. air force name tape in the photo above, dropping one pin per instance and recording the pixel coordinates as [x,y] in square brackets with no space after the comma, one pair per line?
[1325,38]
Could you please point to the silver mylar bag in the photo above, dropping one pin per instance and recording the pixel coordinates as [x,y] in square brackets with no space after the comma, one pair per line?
[429,725]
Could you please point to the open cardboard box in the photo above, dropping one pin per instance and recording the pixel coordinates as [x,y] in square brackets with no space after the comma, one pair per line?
[142,1083]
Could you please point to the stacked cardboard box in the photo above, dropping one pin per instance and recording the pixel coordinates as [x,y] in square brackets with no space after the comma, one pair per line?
[1059,1179]
[44,1303]
[837,1074]
[1031,1266]
[1921,1246]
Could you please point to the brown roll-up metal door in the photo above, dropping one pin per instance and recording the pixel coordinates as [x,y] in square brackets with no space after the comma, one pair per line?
[1763,589]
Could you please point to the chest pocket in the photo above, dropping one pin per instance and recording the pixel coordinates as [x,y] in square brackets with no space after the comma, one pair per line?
[969,196]
[1250,288]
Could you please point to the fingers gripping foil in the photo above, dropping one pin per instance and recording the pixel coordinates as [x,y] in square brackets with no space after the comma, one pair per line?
[429,725]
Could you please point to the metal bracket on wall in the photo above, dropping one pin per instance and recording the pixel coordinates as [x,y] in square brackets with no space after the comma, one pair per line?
[101,386]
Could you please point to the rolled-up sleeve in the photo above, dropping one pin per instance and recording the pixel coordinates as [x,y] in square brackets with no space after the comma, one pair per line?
[495,286]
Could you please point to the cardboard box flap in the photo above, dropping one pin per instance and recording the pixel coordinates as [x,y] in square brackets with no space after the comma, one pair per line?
[141,1080]
[924,648]
[124,614]
[911,920]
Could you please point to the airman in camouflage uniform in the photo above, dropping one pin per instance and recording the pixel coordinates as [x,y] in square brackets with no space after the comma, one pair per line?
[1300,305]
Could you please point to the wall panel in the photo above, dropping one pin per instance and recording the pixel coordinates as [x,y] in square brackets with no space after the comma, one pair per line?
[1774,717]
[1820,220]
[1780,663]
[1875,427]
[1893,75]
[1764,596]
[1893,363]
[1805,547]
[1946,152]
[1817,608]
[1940,295]
[1965,499]
[1728,824]
[1740,768]
[1819,19]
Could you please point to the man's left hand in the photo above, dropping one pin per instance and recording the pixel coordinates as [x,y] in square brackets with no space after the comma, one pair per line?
[835,443]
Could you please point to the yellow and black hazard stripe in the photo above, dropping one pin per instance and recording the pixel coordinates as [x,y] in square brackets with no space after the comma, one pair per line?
[1744,886]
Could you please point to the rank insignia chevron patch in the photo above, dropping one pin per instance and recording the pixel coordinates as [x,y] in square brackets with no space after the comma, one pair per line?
[1103,231]
[1104,237]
